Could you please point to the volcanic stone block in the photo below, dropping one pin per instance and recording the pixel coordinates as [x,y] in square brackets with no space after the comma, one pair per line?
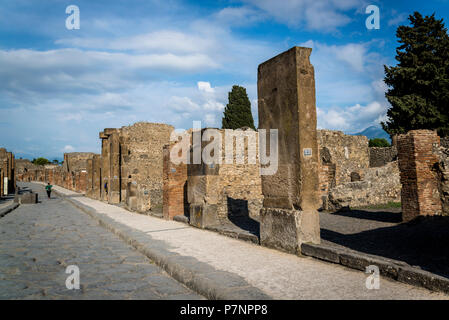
[286,92]
[286,230]
[26,198]
[204,215]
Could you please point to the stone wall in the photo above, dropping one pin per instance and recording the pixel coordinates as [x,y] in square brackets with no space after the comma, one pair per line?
[379,185]
[76,161]
[420,187]
[346,177]
[132,165]
[379,157]
[142,163]
[7,172]
[444,142]
[341,156]
[223,190]
[442,170]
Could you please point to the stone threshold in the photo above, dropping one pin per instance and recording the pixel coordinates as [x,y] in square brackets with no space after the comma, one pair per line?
[393,269]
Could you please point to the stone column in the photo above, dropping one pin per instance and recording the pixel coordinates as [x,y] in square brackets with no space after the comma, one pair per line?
[105,163]
[114,167]
[286,92]
[96,166]
[419,195]
[90,178]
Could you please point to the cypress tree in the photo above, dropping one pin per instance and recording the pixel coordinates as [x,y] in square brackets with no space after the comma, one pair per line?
[419,84]
[237,113]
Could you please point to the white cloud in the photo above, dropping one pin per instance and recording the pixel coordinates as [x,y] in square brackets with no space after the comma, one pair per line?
[323,15]
[205,86]
[239,16]
[68,148]
[353,118]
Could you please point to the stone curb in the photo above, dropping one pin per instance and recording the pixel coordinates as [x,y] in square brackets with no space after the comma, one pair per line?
[8,209]
[198,276]
[393,269]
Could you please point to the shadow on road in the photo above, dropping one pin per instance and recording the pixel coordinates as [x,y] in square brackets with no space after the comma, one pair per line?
[423,242]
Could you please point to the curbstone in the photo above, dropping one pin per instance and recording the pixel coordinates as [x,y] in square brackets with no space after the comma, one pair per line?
[8,209]
[320,252]
[393,269]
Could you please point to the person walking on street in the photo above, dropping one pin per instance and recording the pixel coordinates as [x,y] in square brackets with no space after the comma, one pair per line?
[48,189]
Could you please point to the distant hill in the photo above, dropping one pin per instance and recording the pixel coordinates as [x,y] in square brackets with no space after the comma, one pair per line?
[373,132]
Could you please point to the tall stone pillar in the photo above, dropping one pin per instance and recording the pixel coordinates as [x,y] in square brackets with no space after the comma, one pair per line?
[286,93]
[90,178]
[419,194]
[114,167]
[105,164]
[96,166]
[174,185]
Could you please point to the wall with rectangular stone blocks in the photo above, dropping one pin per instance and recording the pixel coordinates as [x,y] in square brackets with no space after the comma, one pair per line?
[226,188]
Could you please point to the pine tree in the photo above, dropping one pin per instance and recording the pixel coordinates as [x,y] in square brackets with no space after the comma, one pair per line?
[237,113]
[419,84]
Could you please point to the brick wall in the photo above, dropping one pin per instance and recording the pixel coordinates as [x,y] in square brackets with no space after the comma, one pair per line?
[420,195]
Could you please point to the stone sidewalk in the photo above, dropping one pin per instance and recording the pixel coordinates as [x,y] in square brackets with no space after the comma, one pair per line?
[185,251]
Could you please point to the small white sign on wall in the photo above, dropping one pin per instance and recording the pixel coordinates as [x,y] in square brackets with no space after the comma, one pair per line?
[307,152]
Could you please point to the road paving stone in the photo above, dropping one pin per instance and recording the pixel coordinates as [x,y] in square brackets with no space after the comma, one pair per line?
[38,242]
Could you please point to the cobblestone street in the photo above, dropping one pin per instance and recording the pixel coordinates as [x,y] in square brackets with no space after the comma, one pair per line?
[38,242]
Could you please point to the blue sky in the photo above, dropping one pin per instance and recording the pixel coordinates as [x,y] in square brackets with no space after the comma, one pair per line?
[174,61]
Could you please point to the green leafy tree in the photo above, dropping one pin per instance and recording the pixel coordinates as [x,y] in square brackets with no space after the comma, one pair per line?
[419,84]
[40,161]
[237,113]
[379,142]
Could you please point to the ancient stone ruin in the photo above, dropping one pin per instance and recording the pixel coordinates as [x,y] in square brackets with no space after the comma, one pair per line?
[151,169]
[286,91]
[7,173]
[424,174]
[354,175]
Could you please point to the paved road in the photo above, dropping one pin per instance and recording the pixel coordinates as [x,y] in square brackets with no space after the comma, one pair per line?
[38,242]
[279,275]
